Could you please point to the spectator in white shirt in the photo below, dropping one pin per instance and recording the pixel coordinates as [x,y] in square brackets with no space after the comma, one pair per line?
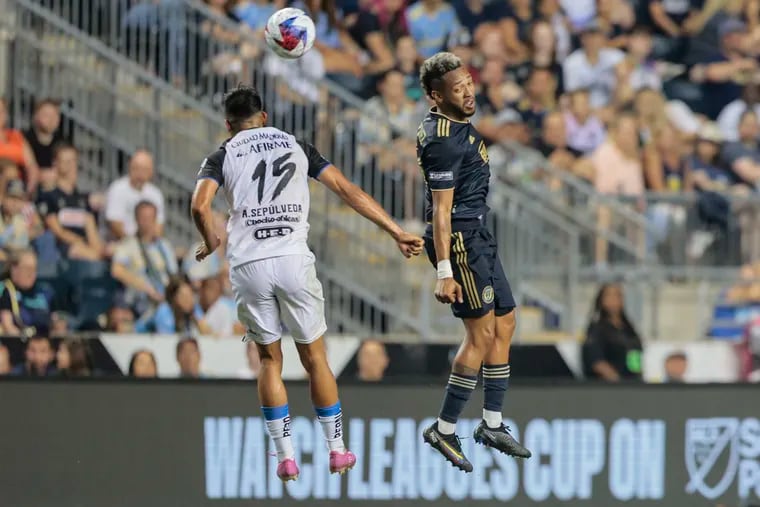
[730,116]
[125,193]
[593,67]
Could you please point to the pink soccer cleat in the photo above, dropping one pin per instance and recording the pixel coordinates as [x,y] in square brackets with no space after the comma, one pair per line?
[287,470]
[341,462]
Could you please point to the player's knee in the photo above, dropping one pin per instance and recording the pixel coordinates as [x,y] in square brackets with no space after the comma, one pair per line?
[312,356]
[505,326]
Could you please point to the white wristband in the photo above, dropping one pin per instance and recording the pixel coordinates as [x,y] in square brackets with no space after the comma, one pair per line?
[444,270]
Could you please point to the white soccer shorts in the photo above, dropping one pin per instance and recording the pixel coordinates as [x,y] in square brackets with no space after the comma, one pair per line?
[280,290]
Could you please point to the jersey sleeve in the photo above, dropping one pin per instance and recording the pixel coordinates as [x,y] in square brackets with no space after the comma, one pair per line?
[317,163]
[440,161]
[212,167]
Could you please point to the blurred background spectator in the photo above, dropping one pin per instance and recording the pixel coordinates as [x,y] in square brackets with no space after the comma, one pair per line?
[25,305]
[5,360]
[676,367]
[189,358]
[143,365]
[42,137]
[612,349]
[372,361]
[39,359]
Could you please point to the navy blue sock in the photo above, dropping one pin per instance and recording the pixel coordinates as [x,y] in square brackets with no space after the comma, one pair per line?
[458,391]
[495,383]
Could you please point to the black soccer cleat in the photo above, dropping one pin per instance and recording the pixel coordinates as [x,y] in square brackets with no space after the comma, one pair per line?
[449,446]
[500,439]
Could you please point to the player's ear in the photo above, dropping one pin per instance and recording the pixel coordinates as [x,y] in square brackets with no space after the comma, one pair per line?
[228,126]
[436,96]
[264,117]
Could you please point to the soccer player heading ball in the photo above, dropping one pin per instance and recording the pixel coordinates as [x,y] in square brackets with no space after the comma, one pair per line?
[264,173]
[454,160]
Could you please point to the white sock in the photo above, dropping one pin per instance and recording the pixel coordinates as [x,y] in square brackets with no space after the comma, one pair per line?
[445,427]
[279,430]
[492,419]
[332,426]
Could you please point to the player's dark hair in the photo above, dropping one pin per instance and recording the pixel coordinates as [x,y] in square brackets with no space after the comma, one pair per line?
[241,104]
[434,68]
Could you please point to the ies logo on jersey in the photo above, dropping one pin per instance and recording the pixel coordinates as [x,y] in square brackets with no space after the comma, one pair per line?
[272,232]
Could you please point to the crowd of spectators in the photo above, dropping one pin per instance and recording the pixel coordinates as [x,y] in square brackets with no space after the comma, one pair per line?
[93,261]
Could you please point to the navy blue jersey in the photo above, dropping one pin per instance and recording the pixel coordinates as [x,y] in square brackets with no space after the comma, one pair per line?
[452,154]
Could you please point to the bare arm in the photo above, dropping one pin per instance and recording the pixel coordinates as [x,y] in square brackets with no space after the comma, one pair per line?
[117,229]
[93,238]
[747,170]
[382,56]
[130,279]
[362,203]
[9,326]
[31,168]
[605,370]
[203,196]
[661,19]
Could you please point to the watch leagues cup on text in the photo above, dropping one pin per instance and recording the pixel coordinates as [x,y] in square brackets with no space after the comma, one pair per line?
[572,459]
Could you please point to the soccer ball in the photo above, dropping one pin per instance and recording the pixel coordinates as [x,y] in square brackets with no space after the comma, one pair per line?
[290,33]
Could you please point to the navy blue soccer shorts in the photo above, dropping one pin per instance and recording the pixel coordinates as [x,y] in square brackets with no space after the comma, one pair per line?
[478,270]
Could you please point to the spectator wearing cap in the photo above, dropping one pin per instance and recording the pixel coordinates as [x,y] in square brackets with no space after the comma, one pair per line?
[592,67]
[144,263]
[431,22]
[19,222]
[14,147]
[127,192]
[721,74]
[25,305]
[709,174]
[67,212]
[39,359]
[729,117]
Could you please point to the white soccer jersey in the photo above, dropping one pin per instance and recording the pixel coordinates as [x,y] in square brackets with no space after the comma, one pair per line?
[263,173]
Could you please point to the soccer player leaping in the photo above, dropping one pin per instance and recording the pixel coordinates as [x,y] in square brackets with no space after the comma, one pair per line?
[264,173]
[454,160]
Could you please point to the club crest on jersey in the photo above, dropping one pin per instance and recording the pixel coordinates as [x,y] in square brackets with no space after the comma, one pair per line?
[488,294]
[483,151]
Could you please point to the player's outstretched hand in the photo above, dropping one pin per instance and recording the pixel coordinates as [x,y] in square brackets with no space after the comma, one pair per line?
[447,290]
[205,250]
[410,244]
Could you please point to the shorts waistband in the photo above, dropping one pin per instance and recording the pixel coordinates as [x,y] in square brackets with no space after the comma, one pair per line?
[469,224]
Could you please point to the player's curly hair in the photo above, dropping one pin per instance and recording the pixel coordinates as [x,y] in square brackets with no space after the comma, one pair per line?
[434,68]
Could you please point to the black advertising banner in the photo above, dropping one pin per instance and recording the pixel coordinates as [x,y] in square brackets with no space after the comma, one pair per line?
[165,444]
